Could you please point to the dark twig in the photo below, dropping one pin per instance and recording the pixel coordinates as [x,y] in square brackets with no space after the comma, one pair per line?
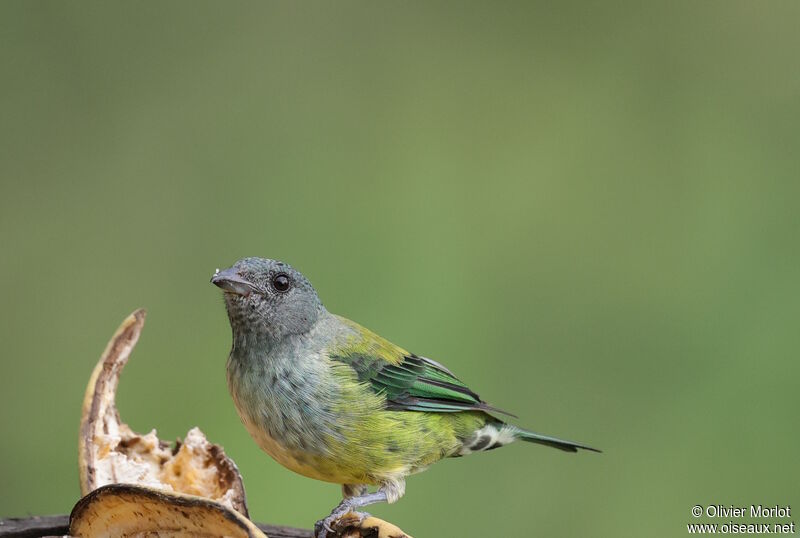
[38,526]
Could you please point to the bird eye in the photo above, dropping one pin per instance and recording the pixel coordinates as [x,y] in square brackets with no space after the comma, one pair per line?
[280,282]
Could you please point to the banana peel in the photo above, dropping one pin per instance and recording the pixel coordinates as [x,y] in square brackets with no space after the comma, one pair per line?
[134,483]
[132,510]
[138,485]
[349,526]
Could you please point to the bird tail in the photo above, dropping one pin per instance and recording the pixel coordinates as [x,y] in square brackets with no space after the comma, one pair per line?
[554,442]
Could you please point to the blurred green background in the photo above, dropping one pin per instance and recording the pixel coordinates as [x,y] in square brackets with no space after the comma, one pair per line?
[589,211]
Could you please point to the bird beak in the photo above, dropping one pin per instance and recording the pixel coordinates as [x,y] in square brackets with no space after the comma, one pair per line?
[230,281]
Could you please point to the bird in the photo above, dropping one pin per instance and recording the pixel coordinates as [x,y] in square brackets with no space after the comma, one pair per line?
[332,400]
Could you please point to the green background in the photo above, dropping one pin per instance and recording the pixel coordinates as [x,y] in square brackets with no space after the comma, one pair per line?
[589,211]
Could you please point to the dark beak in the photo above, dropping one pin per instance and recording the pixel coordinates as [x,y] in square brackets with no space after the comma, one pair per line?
[231,282]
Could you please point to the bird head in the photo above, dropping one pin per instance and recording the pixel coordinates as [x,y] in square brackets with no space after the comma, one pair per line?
[268,297]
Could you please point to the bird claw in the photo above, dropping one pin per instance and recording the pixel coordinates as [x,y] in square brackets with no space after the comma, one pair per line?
[337,521]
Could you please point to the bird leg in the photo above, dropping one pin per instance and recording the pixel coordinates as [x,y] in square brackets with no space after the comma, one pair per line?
[348,505]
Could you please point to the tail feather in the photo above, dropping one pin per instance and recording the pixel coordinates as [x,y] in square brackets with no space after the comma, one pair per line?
[554,442]
[495,434]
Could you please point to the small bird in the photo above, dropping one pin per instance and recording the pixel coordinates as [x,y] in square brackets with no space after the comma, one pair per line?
[331,400]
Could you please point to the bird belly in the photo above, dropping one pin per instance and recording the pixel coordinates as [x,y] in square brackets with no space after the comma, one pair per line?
[288,413]
[337,430]
[301,462]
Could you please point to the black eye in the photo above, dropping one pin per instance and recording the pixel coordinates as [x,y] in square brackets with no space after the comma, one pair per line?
[280,282]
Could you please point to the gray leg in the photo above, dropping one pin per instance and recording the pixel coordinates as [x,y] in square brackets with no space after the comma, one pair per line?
[349,504]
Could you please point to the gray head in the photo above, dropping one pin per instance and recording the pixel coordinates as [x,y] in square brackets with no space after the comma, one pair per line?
[268,298]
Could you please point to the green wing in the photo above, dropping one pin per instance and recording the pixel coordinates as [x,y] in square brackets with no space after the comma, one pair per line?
[409,382]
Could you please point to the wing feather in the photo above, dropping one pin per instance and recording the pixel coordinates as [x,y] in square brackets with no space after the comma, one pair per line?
[409,382]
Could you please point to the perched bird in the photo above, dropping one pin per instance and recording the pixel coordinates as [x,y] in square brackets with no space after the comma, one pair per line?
[331,400]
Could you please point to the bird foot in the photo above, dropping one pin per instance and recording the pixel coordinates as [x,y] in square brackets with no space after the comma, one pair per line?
[341,518]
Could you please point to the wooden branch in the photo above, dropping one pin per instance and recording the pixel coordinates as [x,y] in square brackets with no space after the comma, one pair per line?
[30,527]
[38,526]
